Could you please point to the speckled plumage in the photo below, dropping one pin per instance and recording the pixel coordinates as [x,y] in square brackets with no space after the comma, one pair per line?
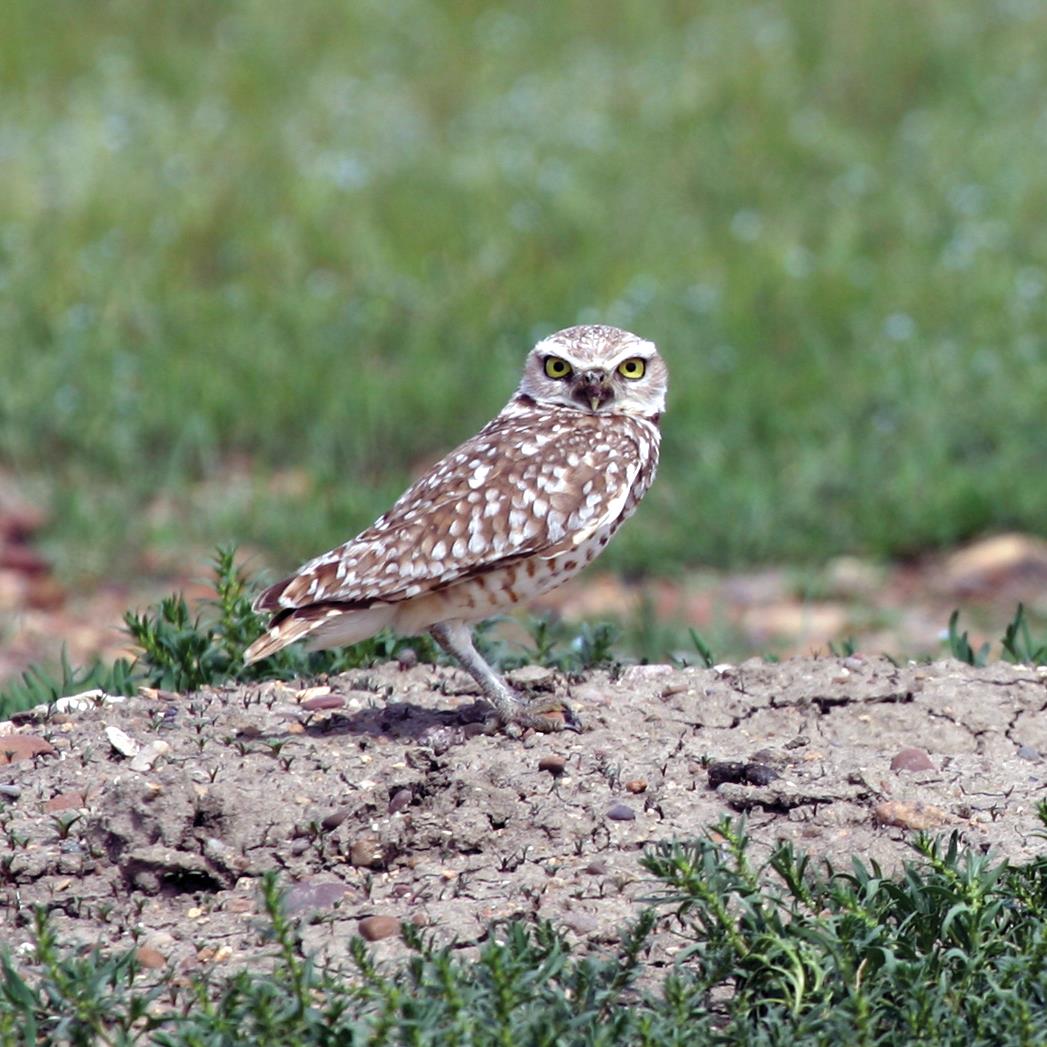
[508,515]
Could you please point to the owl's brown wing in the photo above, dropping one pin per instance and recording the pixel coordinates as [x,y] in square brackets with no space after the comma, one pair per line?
[529,484]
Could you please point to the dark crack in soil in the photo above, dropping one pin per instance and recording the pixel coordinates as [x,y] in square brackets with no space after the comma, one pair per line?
[377,794]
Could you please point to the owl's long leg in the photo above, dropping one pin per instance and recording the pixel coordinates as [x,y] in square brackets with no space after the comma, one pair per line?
[456,638]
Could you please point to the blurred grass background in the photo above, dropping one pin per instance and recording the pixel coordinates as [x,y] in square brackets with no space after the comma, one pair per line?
[247,240]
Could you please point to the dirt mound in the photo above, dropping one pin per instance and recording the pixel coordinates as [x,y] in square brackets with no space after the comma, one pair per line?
[380,799]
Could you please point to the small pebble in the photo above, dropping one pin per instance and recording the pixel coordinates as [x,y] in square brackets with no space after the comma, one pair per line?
[10,792]
[581,922]
[909,816]
[596,868]
[323,701]
[636,785]
[1027,752]
[307,694]
[759,774]
[912,760]
[553,764]
[150,958]
[737,772]
[311,894]
[399,800]
[621,812]
[374,928]
[406,658]
[148,756]
[438,738]
[14,747]
[64,802]
[122,742]
[366,852]
[335,818]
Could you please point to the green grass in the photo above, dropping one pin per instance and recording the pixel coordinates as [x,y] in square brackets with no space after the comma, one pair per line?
[243,238]
[954,951]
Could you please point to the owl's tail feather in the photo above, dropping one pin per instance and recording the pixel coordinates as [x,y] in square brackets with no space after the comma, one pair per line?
[325,624]
[286,628]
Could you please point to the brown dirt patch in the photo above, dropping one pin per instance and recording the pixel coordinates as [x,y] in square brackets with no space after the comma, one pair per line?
[386,801]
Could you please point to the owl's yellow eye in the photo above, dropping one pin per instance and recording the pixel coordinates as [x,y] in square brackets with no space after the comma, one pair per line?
[632,368]
[557,368]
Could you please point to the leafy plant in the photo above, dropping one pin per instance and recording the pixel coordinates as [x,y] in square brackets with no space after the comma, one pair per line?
[1018,644]
[954,948]
[183,651]
[960,647]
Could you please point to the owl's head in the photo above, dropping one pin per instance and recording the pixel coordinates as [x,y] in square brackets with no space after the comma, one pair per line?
[598,370]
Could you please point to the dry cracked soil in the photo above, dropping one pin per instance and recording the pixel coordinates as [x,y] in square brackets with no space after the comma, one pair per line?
[379,799]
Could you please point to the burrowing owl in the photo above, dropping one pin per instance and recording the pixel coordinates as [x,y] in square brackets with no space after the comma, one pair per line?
[512,513]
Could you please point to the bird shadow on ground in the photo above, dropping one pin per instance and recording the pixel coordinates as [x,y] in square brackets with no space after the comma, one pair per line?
[400,720]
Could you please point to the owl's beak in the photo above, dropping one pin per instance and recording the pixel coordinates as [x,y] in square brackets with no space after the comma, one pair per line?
[593,388]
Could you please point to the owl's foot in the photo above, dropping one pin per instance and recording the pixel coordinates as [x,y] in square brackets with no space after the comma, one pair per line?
[546,714]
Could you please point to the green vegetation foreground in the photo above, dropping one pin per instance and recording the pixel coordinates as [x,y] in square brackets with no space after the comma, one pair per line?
[953,952]
[267,260]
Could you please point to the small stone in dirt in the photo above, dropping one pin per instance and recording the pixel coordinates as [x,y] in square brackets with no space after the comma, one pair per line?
[308,693]
[1027,752]
[532,675]
[721,771]
[581,923]
[407,658]
[335,818]
[798,742]
[759,774]
[912,760]
[374,928]
[122,742]
[636,785]
[145,759]
[596,868]
[158,694]
[84,702]
[555,765]
[737,772]
[14,747]
[909,816]
[323,701]
[621,812]
[309,894]
[64,802]
[150,958]
[366,852]
[10,792]
[399,800]
[438,738]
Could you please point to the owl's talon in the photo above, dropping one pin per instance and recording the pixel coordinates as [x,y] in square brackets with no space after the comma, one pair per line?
[547,714]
